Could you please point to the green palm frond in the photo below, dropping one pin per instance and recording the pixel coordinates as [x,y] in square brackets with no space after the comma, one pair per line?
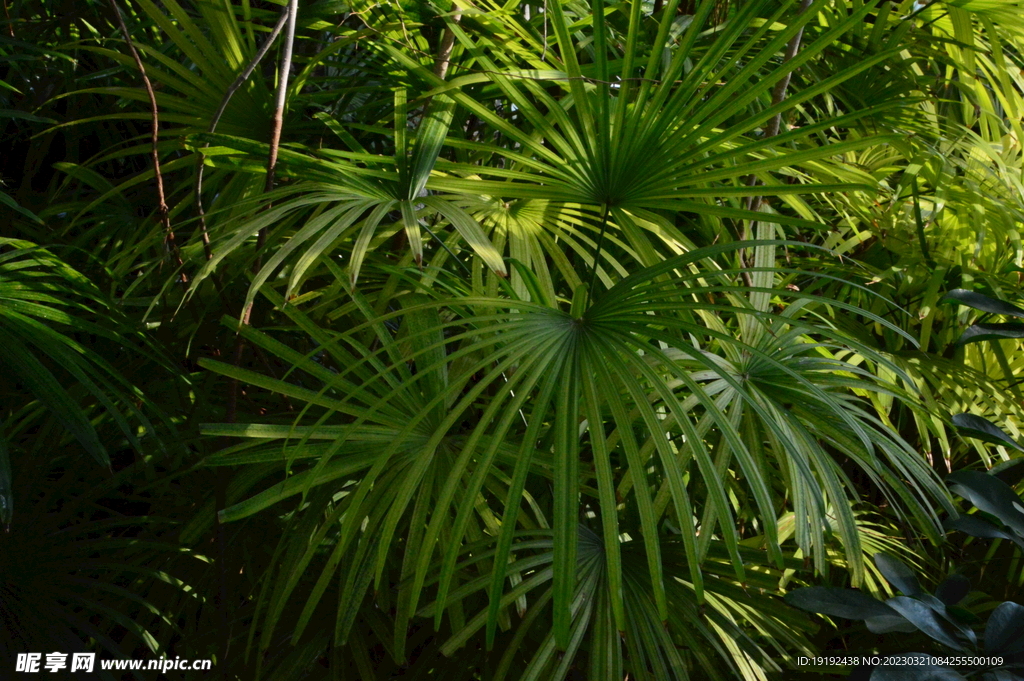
[649,381]
[47,309]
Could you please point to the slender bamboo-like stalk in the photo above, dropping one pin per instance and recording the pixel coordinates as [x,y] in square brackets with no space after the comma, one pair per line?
[228,94]
[778,95]
[754,203]
[275,133]
[282,92]
[10,22]
[162,209]
[444,51]
[779,91]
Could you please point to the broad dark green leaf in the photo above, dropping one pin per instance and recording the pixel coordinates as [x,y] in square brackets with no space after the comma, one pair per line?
[1004,632]
[836,602]
[983,429]
[991,332]
[925,619]
[980,301]
[886,624]
[976,527]
[991,495]
[898,574]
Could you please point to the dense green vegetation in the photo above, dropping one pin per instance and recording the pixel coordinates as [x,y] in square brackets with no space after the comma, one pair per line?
[523,339]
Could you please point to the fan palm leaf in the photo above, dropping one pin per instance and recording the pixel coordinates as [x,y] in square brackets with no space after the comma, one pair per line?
[649,377]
